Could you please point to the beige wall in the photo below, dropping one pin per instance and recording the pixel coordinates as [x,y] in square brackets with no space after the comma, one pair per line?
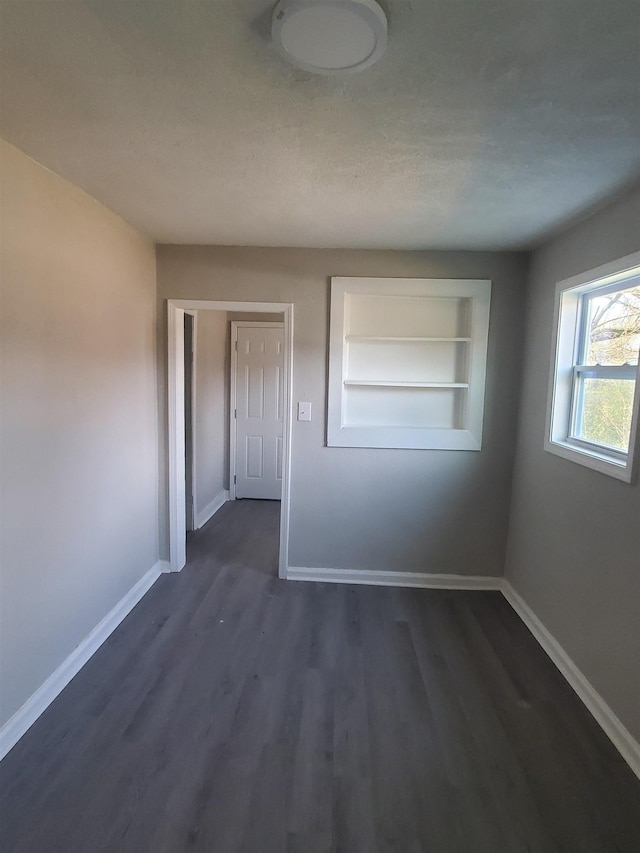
[255,317]
[574,544]
[79,422]
[407,510]
[211,420]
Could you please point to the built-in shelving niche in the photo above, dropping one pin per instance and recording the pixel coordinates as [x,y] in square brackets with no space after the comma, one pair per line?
[407,363]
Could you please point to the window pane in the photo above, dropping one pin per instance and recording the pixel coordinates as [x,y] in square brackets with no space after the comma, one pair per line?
[613,328]
[606,406]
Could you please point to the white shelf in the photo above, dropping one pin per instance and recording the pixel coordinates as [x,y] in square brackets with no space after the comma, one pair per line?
[405,427]
[405,339]
[406,363]
[375,383]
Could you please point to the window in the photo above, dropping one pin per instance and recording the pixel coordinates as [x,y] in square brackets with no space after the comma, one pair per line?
[407,363]
[594,391]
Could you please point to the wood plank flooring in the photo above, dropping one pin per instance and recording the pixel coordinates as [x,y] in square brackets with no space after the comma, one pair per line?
[232,712]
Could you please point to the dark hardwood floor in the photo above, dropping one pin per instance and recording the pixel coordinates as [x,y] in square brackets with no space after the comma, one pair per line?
[232,711]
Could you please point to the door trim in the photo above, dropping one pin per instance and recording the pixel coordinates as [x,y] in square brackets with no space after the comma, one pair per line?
[235,325]
[194,385]
[175,421]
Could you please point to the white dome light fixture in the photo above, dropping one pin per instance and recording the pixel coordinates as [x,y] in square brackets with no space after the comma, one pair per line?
[330,36]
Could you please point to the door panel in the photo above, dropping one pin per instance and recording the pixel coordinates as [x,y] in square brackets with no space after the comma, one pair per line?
[255,392]
[255,458]
[260,411]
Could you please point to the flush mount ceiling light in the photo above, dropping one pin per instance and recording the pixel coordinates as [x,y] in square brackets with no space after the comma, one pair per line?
[330,36]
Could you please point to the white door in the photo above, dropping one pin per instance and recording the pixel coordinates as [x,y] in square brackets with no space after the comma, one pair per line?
[259,414]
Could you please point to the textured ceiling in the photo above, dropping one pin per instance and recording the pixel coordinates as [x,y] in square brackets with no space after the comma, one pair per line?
[487,124]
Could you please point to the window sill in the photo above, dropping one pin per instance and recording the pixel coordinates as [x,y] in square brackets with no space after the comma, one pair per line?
[597,461]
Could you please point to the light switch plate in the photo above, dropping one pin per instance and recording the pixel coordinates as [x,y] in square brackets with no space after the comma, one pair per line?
[304,411]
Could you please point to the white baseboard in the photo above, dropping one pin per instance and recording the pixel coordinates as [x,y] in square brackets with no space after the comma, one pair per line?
[36,704]
[211,508]
[382,578]
[622,739]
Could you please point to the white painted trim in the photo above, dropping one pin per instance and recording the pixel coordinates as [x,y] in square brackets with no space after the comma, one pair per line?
[564,346]
[175,380]
[39,701]
[212,508]
[621,738]
[233,404]
[175,426]
[383,578]
[221,305]
[233,396]
[194,426]
[285,504]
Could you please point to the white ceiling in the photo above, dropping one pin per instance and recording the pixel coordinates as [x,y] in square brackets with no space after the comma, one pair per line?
[487,124]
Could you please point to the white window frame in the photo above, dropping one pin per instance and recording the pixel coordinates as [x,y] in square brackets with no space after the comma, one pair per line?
[567,357]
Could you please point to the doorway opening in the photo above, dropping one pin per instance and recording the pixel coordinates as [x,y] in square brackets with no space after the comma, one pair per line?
[269,452]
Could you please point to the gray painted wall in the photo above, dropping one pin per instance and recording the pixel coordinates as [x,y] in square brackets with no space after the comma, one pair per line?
[406,510]
[211,416]
[574,544]
[79,420]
